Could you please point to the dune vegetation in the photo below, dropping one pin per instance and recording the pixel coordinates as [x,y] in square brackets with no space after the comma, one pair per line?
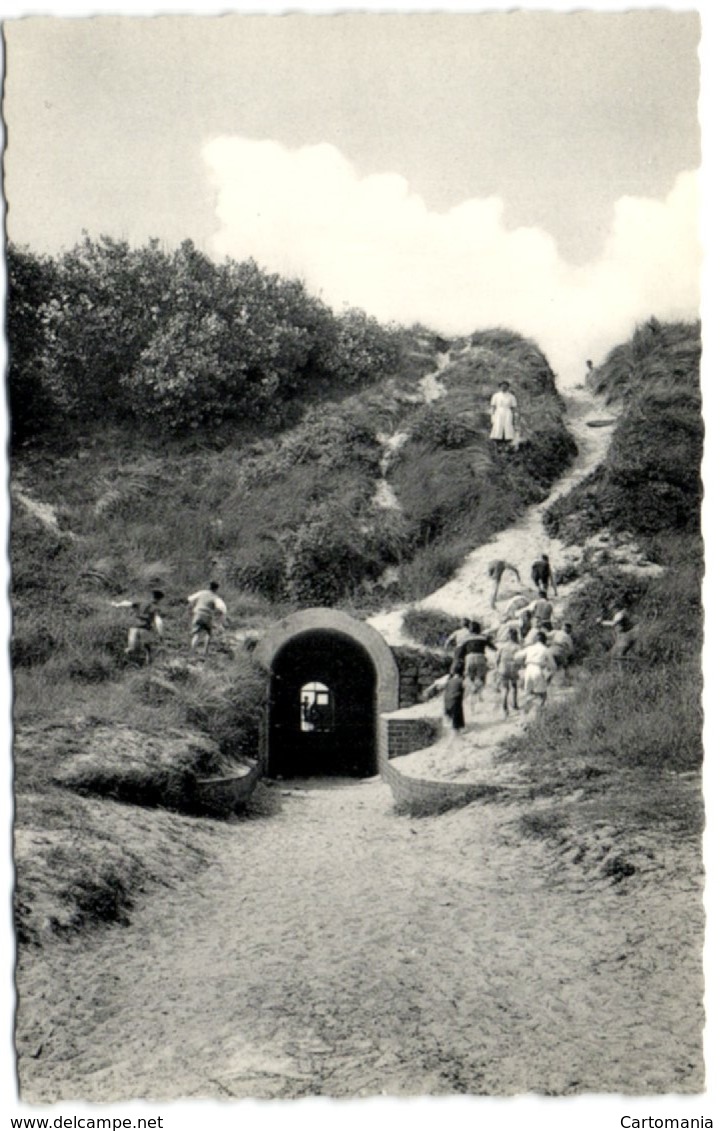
[303,458]
[174,420]
[630,739]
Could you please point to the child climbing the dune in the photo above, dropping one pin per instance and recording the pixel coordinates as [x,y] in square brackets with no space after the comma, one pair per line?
[542,610]
[496,570]
[560,642]
[543,576]
[539,667]
[203,606]
[458,635]
[507,669]
[625,635]
[471,654]
[453,699]
[147,627]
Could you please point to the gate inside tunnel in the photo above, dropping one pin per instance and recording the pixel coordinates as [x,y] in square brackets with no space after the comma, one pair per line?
[330,677]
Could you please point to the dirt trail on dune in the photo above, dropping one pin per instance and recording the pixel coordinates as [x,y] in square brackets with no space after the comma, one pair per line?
[334,948]
[470,590]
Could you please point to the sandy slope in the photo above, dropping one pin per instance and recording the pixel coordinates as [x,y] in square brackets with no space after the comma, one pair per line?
[469,592]
[337,949]
[471,756]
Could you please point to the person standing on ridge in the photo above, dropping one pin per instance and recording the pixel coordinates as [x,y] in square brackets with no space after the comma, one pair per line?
[496,570]
[503,415]
[203,606]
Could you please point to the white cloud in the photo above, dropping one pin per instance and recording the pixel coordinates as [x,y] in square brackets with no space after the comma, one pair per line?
[370,242]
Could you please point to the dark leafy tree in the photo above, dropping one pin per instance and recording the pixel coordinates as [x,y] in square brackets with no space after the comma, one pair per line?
[31,283]
[178,342]
[108,301]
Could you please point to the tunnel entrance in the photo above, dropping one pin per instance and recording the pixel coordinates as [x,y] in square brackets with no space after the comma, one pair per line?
[331,679]
[322,707]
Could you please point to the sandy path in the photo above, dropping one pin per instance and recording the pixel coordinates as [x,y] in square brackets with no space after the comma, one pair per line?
[334,948]
[469,592]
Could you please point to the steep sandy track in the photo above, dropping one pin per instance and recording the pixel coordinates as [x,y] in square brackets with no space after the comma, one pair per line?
[469,592]
[337,949]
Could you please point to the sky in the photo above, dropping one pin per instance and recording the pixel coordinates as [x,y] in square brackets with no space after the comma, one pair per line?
[530,169]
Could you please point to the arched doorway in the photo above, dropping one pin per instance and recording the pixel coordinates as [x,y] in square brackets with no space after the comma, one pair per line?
[330,676]
[322,708]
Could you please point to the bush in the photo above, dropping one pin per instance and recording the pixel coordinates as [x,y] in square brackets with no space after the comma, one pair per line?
[360,350]
[264,571]
[228,706]
[31,282]
[34,644]
[435,427]
[328,558]
[650,481]
[430,627]
[94,668]
[431,567]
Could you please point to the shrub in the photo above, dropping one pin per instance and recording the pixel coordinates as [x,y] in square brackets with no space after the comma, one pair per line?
[650,480]
[328,558]
[431,567]
[107,331]
[33,644]
[430,627]
[94,668]
[434,426]
[360,349]
[31,281]
[228,706]
[264,570]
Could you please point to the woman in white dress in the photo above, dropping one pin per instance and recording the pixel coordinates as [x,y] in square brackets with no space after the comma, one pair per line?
[503,411]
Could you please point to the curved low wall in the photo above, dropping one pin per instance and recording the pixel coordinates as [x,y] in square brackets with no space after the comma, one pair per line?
[419,796]
[225,795]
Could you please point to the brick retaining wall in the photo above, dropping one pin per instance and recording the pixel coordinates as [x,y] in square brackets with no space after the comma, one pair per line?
[418,669]
[420,794]
[406,735]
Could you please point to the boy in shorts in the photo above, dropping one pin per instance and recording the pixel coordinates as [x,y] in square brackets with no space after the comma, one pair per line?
[203,605]
[507,669]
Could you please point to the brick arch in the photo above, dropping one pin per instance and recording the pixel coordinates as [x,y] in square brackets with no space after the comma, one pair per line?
[305,624]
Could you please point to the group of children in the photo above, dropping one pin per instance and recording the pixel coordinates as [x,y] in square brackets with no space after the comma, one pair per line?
[528,651]
[529,648]
[205,607]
